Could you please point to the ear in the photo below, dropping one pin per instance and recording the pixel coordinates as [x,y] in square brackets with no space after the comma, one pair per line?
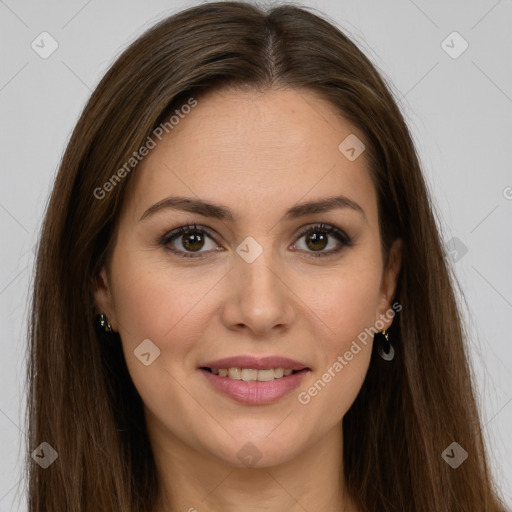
[103,297]
[389,282]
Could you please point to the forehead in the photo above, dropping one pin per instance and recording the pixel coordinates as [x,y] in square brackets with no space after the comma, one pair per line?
[249,150]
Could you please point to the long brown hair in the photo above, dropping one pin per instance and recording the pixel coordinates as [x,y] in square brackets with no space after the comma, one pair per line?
[81,398]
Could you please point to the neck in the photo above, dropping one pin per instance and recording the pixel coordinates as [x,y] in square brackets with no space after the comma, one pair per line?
[195,481]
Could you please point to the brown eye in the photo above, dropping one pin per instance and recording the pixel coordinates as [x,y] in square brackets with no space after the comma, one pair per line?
[192,241]
[319,236]
[316,241]
[187,240]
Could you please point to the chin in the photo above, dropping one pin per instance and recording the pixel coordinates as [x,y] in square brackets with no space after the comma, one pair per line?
[258,451]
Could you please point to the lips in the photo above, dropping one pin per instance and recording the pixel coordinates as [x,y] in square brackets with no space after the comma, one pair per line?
[245,388]
[256,363]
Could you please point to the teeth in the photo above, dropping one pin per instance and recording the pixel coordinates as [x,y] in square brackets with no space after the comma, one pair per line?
[264,375]
[235,373]
[249,374]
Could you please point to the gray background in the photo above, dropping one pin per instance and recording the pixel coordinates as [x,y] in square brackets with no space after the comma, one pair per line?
[459,110]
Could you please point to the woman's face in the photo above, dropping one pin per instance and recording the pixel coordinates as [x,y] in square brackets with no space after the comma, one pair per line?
[257,282]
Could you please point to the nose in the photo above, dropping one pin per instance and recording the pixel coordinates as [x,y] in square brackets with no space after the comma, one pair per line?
[260,297]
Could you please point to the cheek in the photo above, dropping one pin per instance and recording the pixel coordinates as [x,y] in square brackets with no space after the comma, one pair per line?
[345,357]
[168,306]
[155,301]
[346,310]
[331,391]
[346,301]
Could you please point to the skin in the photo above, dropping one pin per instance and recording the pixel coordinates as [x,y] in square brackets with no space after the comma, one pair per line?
[258,154]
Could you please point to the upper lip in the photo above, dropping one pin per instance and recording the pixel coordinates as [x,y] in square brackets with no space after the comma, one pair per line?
[256,363]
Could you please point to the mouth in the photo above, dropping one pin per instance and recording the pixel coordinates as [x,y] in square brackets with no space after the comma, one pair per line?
[251,386]
[253,374]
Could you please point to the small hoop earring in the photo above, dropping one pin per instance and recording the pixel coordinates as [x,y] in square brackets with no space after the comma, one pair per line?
[102,323]
[386,349]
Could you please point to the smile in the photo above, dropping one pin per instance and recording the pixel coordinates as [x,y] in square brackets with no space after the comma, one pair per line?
[251,374]
[254,387]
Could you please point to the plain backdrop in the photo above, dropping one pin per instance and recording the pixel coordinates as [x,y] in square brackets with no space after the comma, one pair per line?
[455,91]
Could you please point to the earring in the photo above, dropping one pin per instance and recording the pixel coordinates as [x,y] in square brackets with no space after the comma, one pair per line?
[102,323]
[385,349]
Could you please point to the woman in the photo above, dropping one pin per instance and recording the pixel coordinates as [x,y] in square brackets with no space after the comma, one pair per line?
[241,297]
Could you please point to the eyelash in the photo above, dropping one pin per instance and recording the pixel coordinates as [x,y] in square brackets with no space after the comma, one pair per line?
[323,228]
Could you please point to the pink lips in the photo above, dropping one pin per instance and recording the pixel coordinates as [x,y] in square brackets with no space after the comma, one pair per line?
[255,392]
[257,363]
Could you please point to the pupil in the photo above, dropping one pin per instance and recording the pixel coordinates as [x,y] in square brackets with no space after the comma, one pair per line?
[317,239]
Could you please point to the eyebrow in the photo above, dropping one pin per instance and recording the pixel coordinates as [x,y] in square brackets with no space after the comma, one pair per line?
[220,212]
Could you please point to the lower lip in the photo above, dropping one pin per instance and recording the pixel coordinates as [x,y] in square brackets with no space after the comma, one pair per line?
[255,392]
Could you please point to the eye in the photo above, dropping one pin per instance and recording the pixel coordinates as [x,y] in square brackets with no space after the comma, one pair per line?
[190,240]
[317,238]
